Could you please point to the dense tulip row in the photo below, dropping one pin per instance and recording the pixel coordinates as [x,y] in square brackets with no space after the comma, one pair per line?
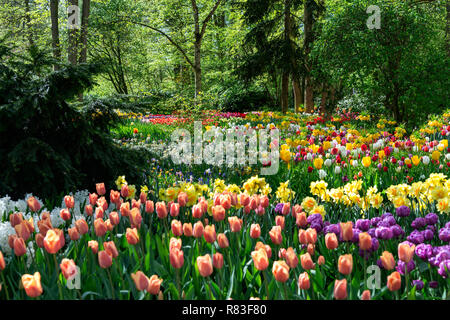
[227,245]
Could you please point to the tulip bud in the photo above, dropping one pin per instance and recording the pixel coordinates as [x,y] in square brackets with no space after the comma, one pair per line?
[198,229]
[223,241]
[187,229]
[154,284]
[32,284]
[104,259]
[19,247]
[280,271]
[255,231]
[345,264]
[100,187]
[340,289]
[303,281]
[74,234]
[204,264]
[140,280]
[93,245]
[218,260]
[394,281]
[132,236]
[176,258]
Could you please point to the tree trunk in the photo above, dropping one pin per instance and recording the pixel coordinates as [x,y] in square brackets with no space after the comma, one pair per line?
[73,41]
[284,92]
[308,21]
[447,29]
[197,68]
[55,31]
[323,101]
[298,96]
[28,23]
[84,30]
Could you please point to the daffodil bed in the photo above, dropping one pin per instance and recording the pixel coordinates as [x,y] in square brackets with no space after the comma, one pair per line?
[357,210]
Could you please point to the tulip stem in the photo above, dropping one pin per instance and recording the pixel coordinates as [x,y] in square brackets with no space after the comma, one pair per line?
[406,279]
[111,283]
[177,271]
[4,285]
[57,278]
[266,283]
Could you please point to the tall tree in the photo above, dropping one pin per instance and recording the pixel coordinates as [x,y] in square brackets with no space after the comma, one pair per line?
[84,30]
[54,5]
[72,50]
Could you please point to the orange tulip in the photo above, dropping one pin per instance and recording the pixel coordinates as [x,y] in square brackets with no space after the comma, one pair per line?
[82,226]
[93,197]
[44,225]
[345,264]
[311,235]
[11,239]
[65,214]
[149,206]
[218,212]
[394,281]
[406,252]
[140,280]
[102,203]
[111,249]
[175,243]
[177,228]
[347,231]
[267,248]
[279,221]
[306,261]
[365,241]
[19,247]
[198,229]
[32,284]
[100,187]
[235,224]
[52,241]
[125,209]
[22,230]
[182,199]
[104,259]
[331,241]
[2,262]
[99,213]
[15,219]
[321,261]
[244,199]
[291,258]
[68,268]
[114,218]
[143,197]
[223,241]
[302,236]
[88,209]
[135,218]
[39,238]
[100,227]
[187,229]
[280,271]
[387,260]
[340,289]
[365,295]
[286,209]
[73,234]
[174,210]
[255,231]
[33,204]
[132,236]
[69,201]
[301,220]
[197,211]
[210,233]
[176,258]
[218,260]
[93,245]
[260,259]
[303,281]
[275,235]
[154,284]
[225,201]
[311,249]
[204,265]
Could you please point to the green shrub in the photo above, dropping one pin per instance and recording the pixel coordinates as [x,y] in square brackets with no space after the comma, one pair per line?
[49,145]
